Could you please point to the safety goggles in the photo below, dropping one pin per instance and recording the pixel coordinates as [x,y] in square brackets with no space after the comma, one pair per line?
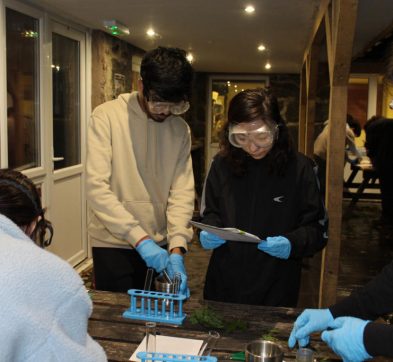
[262,137]
[167,107]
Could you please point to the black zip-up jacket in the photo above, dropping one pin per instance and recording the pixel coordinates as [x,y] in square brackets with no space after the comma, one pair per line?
[369,303]
[263,204]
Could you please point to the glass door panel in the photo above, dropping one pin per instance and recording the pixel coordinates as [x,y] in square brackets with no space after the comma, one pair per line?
[23,125]
[66,101]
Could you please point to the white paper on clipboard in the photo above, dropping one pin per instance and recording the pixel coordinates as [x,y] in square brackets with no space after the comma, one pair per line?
[227,233]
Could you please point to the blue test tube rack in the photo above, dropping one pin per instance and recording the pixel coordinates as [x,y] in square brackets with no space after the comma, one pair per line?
[170,357]
[156,306]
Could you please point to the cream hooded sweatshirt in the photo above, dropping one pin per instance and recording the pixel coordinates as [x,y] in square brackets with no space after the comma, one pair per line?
[139,176]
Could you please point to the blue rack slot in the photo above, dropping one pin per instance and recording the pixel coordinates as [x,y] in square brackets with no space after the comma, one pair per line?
[171,357]
[156,307]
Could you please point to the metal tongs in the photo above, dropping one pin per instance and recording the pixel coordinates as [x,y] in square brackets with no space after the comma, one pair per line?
[175,283]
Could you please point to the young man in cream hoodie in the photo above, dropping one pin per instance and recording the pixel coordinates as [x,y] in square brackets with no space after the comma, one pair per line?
[140,184]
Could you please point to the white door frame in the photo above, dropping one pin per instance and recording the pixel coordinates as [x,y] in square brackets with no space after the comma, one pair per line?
[44,175]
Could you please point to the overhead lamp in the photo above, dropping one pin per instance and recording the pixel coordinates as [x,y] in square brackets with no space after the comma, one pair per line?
[261,48]
[249,9]
[116,28]
[268,65]
[190,57]
[151,33]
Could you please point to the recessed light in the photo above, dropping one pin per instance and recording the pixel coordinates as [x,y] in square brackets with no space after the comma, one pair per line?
[190,57]
[249,9]
[261,47]
[151,33]
[268,65]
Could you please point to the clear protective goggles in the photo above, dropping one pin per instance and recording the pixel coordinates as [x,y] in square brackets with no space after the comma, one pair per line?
[262,137]
[168,107]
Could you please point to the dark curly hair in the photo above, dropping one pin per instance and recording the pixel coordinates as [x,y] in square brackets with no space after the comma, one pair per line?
[20,201]
[248,106]
[166,74]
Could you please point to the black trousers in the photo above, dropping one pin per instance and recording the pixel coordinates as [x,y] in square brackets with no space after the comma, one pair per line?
[118,270]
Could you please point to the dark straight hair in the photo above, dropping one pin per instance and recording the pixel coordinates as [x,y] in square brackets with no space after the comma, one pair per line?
[248,106]
[166,75]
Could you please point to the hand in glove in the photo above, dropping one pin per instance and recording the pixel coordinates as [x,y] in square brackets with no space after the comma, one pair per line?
[277,246]
[310,321]
[346,338]
[153,255]
[176,265]
[210,241]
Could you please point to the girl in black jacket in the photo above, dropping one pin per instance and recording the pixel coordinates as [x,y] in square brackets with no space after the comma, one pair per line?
[260,184]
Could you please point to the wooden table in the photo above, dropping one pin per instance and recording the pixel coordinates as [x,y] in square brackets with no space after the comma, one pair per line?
[120,337]
[369,180]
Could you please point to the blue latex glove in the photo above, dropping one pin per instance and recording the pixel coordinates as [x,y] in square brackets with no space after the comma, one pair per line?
[153,255]
[176,265]
[346,338]
[210,241]
[310,321]
[277,246]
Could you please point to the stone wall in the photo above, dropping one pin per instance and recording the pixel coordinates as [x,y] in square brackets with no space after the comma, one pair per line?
[111,67]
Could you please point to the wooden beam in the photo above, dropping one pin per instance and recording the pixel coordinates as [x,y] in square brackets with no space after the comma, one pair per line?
[311,98]
[344,14]
[302,110]
[321,11]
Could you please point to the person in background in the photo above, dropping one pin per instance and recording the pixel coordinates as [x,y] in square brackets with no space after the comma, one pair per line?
[346,326]
[260,184]
[379,136]
[352,154]
[140,184]
[44,304]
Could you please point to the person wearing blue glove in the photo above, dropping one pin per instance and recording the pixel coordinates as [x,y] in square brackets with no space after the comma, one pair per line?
[210,241]
[347,326]
[346,338]
[277,246]
[259,183]
[176,266]
[310,321]
[139,176]
[153,255]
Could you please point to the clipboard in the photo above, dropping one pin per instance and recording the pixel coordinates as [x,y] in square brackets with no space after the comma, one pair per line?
[232,234]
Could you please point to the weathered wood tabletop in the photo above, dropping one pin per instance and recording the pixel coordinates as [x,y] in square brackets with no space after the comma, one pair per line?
[120,336]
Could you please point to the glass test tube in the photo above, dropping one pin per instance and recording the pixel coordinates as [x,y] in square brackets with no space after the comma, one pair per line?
[209,343]
[305,355]
[151,337]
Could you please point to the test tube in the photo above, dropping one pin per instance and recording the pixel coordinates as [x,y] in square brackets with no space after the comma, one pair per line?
[209,343]
[148,279]
[166,276]
[305,355]
[176,283]
[151,337]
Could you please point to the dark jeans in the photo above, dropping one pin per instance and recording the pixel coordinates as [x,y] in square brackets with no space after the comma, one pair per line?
[118,270]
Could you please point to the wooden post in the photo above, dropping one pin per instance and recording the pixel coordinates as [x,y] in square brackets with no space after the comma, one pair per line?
[342,26]
[302,111]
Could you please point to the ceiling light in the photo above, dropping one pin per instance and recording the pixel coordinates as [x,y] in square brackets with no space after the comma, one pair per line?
[151,33]
[190,57]
[116,28]
[261,48]
[268,65]
[249,9]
